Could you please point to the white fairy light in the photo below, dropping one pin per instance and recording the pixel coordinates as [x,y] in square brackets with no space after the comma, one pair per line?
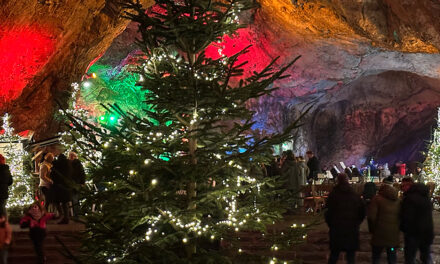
[14,155]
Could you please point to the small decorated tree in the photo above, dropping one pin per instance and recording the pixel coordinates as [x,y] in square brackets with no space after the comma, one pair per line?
[20,193]
[432,163]
[180,184]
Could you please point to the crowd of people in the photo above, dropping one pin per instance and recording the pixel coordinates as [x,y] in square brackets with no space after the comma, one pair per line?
[387,213]
[59,183]
[387,216]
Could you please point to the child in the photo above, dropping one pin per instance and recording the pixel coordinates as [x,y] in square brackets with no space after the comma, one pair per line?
[5,238]
[36,219]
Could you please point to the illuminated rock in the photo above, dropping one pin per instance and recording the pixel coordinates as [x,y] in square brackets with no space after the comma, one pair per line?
[71,33]
[363,62]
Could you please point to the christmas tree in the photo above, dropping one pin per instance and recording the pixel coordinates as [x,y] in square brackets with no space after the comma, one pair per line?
[73,140]
[432,162]
[178,185]
[20,193]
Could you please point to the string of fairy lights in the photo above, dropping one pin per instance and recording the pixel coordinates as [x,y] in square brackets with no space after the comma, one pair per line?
[432,163]
[81,144]
[20,191]
[236,219]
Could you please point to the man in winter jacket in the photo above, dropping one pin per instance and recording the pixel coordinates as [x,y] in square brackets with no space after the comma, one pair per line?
[79,178]
[416,221]
[383,222]
[313,164]
[5,182]
[344,215]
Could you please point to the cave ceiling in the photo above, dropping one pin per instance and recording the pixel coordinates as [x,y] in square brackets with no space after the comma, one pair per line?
[370,69]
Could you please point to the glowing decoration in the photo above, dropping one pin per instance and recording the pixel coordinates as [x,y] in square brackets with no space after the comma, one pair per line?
[432,163]
[87,84]
[208,187]
[80,145]
[24,50]
[20,193]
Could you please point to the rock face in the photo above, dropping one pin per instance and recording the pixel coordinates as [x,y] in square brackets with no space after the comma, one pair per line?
[387,115]
[47,45]
[370,69]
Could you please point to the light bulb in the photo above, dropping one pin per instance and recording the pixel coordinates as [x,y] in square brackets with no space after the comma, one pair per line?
[87,84]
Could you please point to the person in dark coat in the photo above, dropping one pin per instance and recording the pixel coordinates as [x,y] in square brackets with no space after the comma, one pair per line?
[383,222]
[369,192]
[356,173]
[416,221]
[313,164]
[5,182]
[344,215]
[349,173]
[61,175]
[78,177]
[289,173]
[273,169]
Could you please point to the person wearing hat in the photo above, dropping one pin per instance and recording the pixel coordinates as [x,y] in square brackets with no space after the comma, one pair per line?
[5,182]
[344,215]
[383,222]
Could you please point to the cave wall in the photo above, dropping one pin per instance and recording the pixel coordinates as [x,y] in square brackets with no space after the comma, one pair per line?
[370,69]
[388,116]
[44,47]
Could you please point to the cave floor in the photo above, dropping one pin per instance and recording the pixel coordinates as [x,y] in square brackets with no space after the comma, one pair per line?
[313,251]
[316,251]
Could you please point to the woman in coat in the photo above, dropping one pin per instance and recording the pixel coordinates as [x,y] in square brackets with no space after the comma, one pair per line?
[289,173]
[383,222]
[344,215]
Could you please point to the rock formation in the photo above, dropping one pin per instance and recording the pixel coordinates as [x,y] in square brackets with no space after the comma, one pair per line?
[369,68]
[45,46]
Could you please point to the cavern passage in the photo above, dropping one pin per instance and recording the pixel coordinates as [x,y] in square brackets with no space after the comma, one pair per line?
[219,131]
[370,67]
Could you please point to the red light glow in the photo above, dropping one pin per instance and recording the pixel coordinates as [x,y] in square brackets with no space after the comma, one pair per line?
[23,52]
[256,57]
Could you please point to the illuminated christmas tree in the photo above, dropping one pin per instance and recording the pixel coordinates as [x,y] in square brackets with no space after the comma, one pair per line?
[432,163]
[20,193]
[71,139]
[175,185]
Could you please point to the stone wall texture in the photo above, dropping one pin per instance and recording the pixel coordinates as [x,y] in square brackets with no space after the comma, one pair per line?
[370,69]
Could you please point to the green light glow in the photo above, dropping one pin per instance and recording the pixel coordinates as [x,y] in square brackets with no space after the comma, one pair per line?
[114,86]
